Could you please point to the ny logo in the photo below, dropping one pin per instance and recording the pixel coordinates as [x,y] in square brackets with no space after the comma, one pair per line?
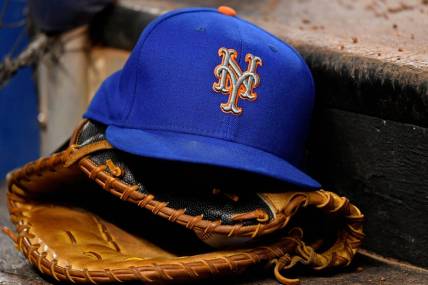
[235,83]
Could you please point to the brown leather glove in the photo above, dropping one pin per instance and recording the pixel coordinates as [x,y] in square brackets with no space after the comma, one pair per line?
[73,231]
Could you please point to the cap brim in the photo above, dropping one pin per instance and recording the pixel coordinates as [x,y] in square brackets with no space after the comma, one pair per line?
[206,150]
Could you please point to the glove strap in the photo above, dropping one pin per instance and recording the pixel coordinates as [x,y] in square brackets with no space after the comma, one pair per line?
[76,153]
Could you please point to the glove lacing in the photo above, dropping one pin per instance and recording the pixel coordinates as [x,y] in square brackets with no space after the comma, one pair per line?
[303,254]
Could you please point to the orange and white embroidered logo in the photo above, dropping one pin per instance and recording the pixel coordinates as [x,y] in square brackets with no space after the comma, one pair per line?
[234,82]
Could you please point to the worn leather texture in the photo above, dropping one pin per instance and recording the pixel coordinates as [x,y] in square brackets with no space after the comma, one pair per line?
[93,214]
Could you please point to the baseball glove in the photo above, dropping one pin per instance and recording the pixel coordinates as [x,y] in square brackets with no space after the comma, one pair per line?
[70,226]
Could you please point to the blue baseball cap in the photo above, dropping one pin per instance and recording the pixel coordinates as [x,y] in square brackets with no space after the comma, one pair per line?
[205,86]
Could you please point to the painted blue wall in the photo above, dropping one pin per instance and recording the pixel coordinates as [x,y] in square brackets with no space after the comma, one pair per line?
[19,131]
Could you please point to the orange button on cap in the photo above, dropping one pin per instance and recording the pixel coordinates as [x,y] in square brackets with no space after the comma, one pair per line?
[226,10]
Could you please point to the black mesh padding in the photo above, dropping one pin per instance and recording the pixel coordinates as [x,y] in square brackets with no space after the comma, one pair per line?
[185,185]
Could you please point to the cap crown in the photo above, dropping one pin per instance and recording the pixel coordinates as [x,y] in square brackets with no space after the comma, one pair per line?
[200,72]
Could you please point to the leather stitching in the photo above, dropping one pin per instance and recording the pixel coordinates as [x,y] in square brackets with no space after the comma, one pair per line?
[340,254]
[149,202]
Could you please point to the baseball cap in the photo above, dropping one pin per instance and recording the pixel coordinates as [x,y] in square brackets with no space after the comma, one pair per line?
[206,86]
